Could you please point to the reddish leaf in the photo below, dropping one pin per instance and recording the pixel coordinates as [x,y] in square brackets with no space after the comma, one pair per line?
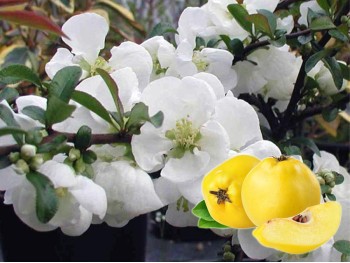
[31,19]
[12,2]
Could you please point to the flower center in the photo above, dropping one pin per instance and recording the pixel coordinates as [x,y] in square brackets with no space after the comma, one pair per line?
[61,191]
[200,61]
[158,68]
[100,62]
[184,135]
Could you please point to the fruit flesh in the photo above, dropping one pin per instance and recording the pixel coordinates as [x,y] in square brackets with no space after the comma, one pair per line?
[293,237]
[279,189]
[228,177]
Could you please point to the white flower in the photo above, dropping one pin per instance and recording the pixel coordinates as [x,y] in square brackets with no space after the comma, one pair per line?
[304,9]
[188,62]
[79,198]
[325,80]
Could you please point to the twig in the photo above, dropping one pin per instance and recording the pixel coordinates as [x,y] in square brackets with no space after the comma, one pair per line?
[284,4]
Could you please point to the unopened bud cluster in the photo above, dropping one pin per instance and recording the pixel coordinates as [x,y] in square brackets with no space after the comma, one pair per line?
[326,177]
[228,256]
[26,159]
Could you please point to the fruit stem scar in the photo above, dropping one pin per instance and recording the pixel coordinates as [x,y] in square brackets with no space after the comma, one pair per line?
[222,196]
[282,158]
[300,218]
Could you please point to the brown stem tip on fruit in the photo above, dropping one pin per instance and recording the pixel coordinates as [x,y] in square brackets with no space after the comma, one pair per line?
[221,195]
[282,158]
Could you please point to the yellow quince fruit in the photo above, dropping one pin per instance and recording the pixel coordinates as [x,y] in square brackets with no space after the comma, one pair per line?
[301,233]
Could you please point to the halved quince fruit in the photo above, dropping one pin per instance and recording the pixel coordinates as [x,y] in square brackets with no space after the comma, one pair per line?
[221,189]
[279,188]
[303,232]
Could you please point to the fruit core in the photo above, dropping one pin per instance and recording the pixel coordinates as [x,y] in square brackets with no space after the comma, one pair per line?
[222,196]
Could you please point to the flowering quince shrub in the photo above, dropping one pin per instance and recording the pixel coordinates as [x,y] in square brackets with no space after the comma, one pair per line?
[206,126]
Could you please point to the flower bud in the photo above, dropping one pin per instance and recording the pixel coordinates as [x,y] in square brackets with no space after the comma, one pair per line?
[14,157]
[332,184]
[329,177]
[21,167]
[74,154]
[79,166]
[227,248]
[36,162]
[320,180]
[229,256]
[28,151]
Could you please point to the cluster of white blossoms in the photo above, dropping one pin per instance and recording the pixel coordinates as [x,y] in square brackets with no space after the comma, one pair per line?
[196,88]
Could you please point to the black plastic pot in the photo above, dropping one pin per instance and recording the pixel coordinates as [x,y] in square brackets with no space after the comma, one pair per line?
[99,243]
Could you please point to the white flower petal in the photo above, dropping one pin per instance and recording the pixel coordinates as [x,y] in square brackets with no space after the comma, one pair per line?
[149,148]
[325,161]
[240,121]
[129,54]
[67,213]
[224,232]
[9,178]
[179,218]
[188,168]
[83,223]
[251,246]
[60,174]
[112,221]
[166,190]
[214,83]
[262,149]
[63,58]
[87,33]
[192,191]
[30,100]
[253,6]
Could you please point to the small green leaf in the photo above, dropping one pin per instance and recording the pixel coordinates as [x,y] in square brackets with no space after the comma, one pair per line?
[304,39]
[92,104]
[35,112]
[343,246]
[202,223]
[324,4]
[226,40]
[46,199]
[200,42]
[88,172]
[261,23]
[16,73]
[279,42]
[54,145]
[271,17]
[292,150]
[338,35]
[236,46]
[114,90]
[302,141]
[331,197]
[213,43]
[201,211]
[82,140]
[322,23]
[339,178]
[57,110]
[157,119]
[330,114]
[11,130]
[89,157]
[345,71]
[333,66]
[312,61]
[64,82]
[34,136]
[19,55]
[240,14]
[161,29]
[9,94]
[325,188]
[7,117]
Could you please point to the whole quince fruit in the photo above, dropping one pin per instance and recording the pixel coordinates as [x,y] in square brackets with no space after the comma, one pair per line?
[221,189]
[279,188]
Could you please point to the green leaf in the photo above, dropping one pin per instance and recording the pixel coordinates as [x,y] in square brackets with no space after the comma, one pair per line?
[57,110]
[343,246]
[139,115]
[271,17]
[304,39]
[200,42]
[338,35]
[11,130]
[226,40]
[31,19]
[331,197]
[312,61]
[54,145]
[19,55]
[213,43]
[4,162]
[82,140]
[34,136]
[114,90]
[345,71]
[292,150]
[339,178]
[46,199]
[325,188]
[7,117]
[261,23]
[201,211]
[322,23]
[279,42]
[202,223]
[161,29]
[302,141]
[324,4]
[236,46]
[92,104]
[89,157]
[240,14]
[35,112]
[330,114]
[311,15]
[64,82]
[333,66]
[16,73]
[8,94]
